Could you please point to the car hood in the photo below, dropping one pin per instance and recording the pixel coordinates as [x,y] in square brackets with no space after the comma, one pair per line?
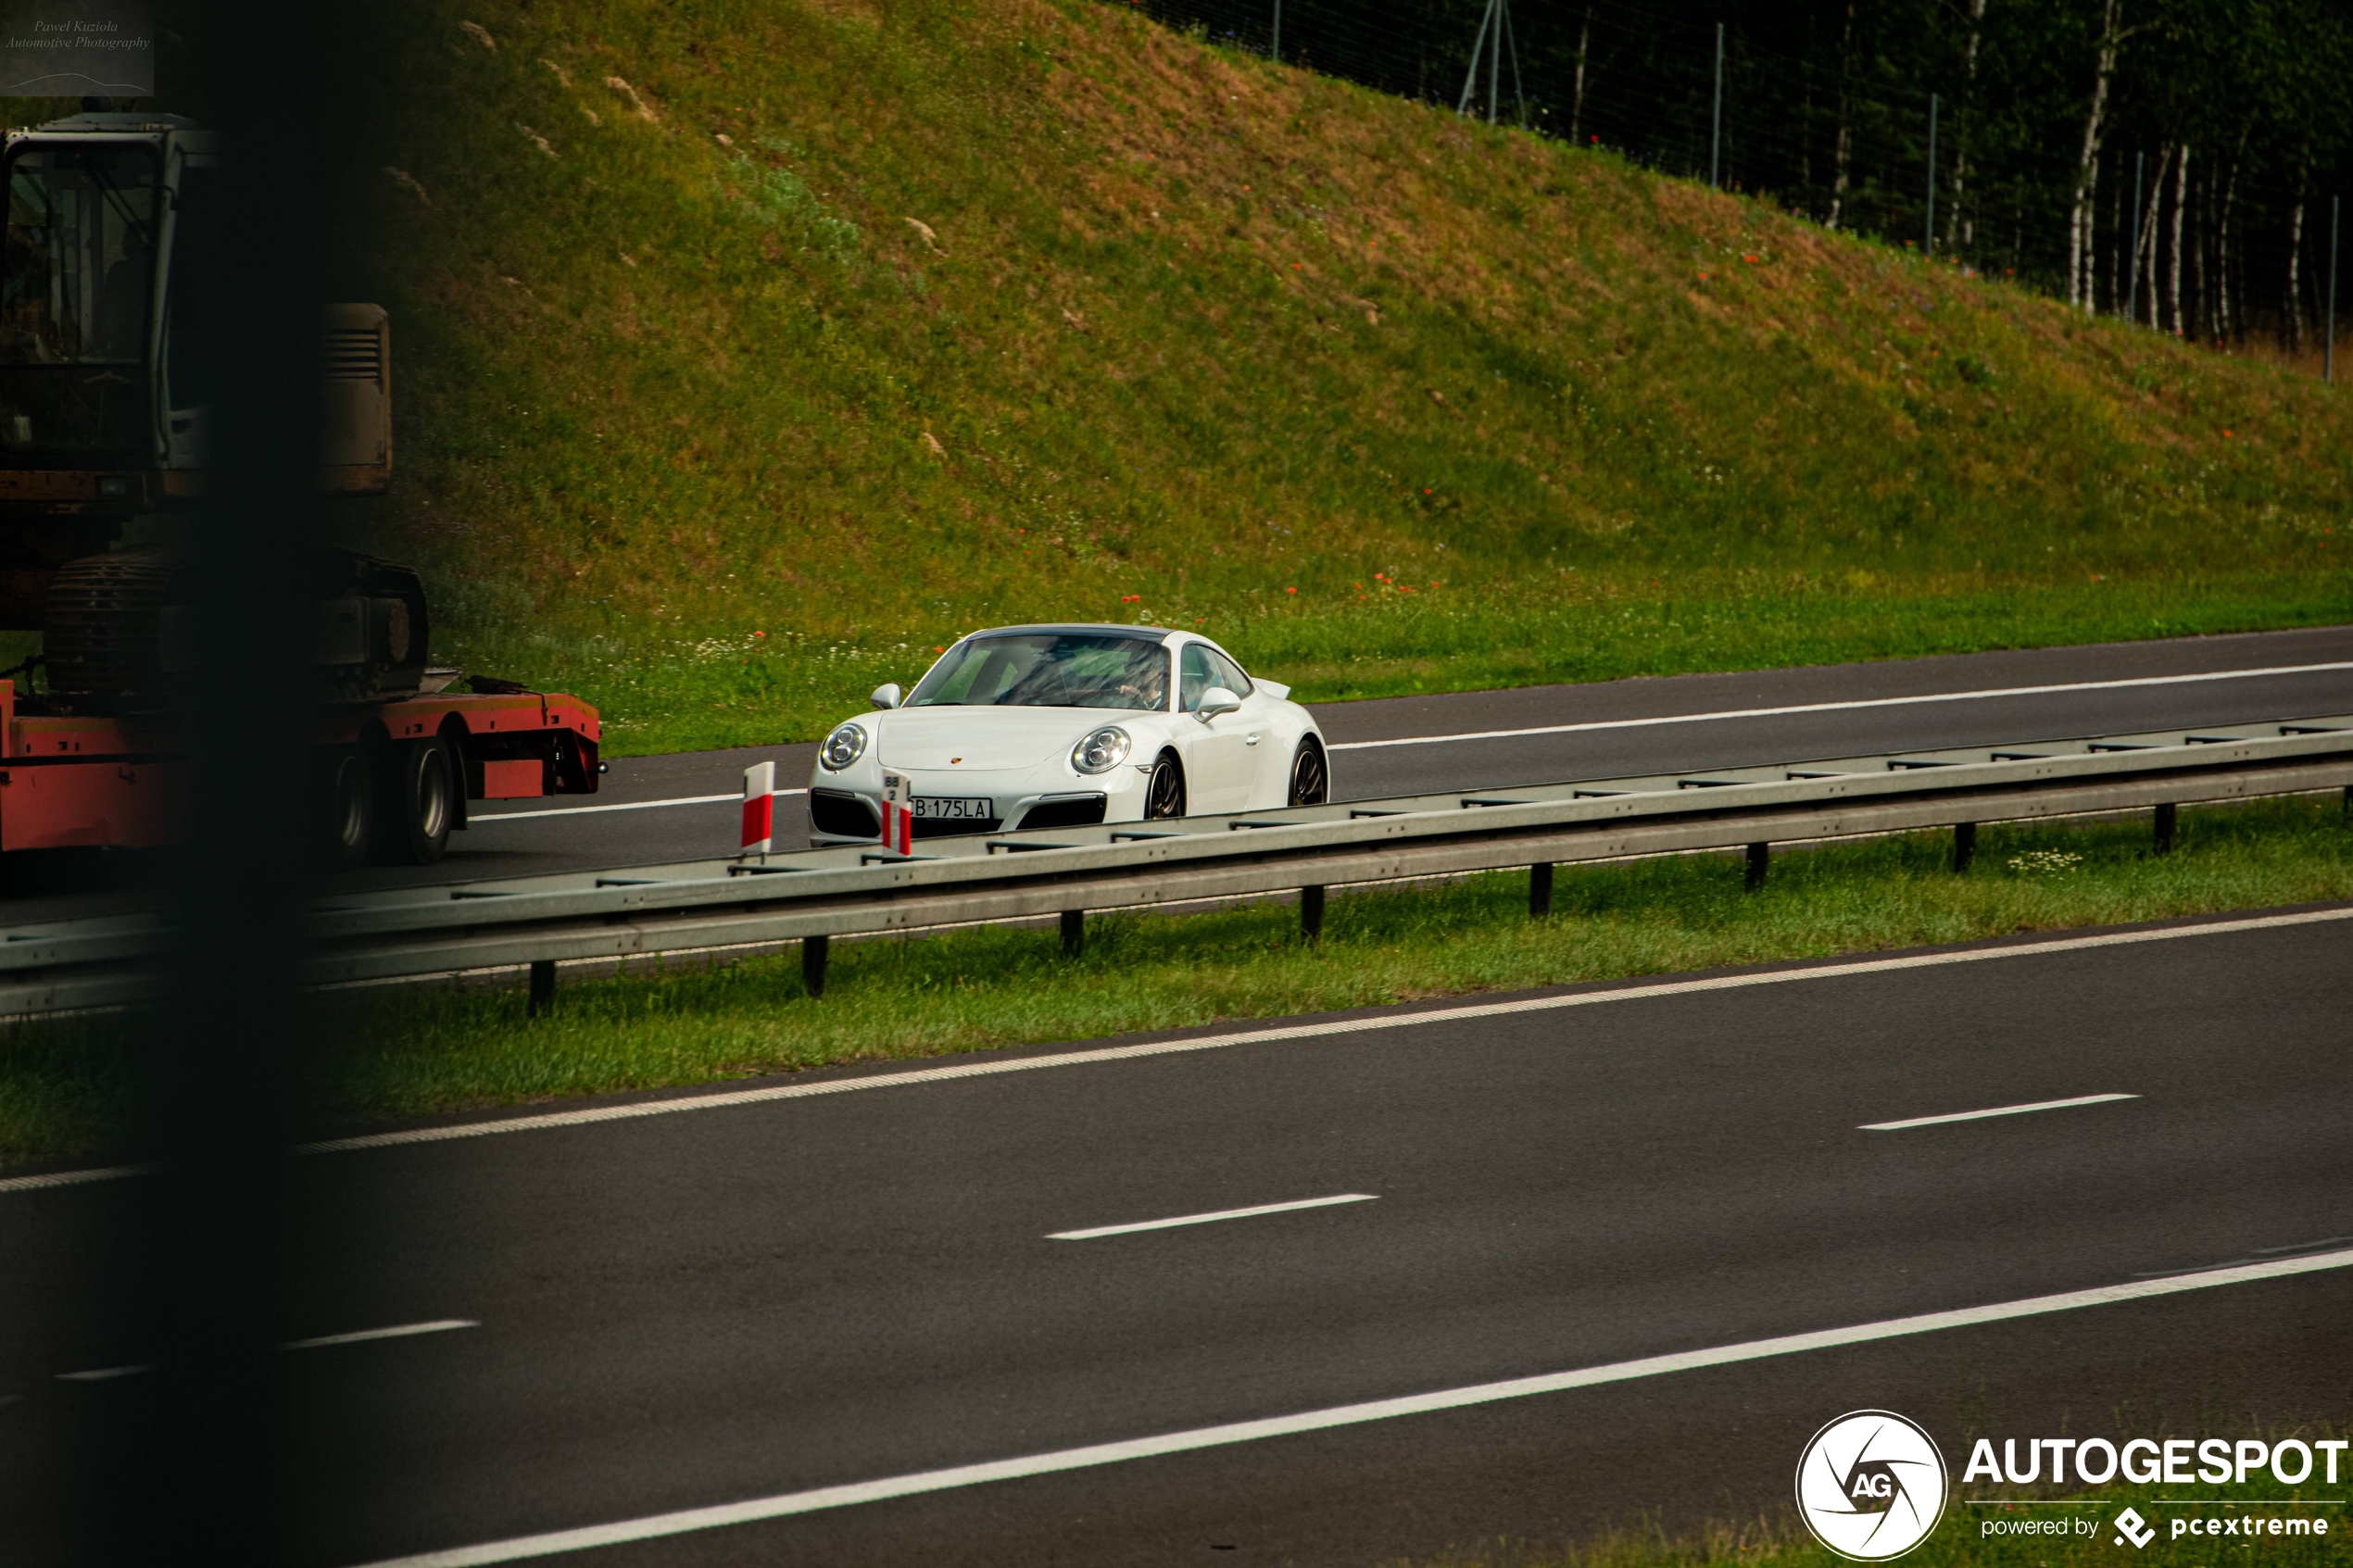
[971,740]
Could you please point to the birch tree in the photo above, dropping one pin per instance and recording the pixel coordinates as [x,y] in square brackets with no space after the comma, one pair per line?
[2181,203]
[2087,162]
[1842,149]
[1960,230]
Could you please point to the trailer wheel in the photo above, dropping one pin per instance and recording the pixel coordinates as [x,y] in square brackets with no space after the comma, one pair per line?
[418,802]
[347,809]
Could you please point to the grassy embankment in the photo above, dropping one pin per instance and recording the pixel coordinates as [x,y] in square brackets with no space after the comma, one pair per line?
[68,1089]
[848,325]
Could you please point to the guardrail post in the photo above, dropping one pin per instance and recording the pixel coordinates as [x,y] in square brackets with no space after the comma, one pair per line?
[1311,911]
[1760,858]
[1540,890]
[760,810]
[543,985]
[1964,846]
[813,963]
[2165,828]
[1073,932]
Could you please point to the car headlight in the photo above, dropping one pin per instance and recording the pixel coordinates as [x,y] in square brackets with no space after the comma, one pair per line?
[1101,751]
[845,746]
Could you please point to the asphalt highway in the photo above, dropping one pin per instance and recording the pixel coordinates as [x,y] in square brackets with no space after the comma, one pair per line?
[749,1300]
[1402,746]
[686,806]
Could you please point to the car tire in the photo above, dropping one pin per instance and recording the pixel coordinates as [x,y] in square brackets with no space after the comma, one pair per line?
[1310,780]
[1164,791]
[417,804]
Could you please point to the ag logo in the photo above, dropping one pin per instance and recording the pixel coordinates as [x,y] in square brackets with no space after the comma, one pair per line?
[1870,1486]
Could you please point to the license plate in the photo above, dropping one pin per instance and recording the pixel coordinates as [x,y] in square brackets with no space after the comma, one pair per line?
[954,811]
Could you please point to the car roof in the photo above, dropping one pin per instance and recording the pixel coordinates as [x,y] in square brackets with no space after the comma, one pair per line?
[1149,634]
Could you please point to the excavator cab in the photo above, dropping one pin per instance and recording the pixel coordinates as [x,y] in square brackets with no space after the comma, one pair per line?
[104,408]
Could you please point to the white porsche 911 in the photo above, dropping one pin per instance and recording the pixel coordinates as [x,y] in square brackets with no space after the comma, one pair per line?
[1061,726]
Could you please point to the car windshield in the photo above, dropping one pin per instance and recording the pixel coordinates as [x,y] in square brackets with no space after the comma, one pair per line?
[1049,669]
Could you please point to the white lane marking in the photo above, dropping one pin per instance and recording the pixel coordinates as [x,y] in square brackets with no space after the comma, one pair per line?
[655,1526]
[1257,1036]
[398,1331]
[1997,1110]
[1312,1031]
[1206,1219]
[75,1178]
[624,806]
[1847,707]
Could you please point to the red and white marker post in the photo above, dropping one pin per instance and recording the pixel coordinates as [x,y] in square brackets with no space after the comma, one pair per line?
[899,813]
[759,808]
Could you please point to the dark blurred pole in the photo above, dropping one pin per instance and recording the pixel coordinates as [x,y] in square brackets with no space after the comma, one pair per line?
[219,1253]
[2328,336]
[1716,121]
[2133,273]
[1928,237]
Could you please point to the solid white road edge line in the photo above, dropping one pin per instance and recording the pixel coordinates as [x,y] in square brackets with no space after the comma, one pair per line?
[1997,1110]
[398,1331]
[75,1178]
[622,806]
[1206,1219]
[1848,706]
[1312,1030]
[657,1525]
[1240,1037]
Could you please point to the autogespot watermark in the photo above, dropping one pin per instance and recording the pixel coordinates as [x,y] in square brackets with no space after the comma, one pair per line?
[2173,1461]
[1873,1485]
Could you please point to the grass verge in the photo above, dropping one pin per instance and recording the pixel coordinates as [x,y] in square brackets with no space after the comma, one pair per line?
[1961,1537]
[71,1088]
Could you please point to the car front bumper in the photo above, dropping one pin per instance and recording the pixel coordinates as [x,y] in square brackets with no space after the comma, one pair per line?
[847,808]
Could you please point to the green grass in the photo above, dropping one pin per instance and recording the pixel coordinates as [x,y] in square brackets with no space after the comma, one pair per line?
[1778,1539]
[691,417]
[69,1089]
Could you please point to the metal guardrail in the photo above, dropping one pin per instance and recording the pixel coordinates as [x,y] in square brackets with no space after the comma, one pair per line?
[816,895]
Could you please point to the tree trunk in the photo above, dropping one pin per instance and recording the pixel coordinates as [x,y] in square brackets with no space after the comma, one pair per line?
[1960,230]
[2199,317]
[2295,293]
[2115,280]
[2088,256]
[2225,324]
[1577,104]
[1842,150]
[2228,320]
[2087,167]
[2144,255]
[2173,272]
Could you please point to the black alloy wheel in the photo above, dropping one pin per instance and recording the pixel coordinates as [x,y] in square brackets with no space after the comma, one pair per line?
[348,809]
[1310,786]
[418,803]
[1164,796]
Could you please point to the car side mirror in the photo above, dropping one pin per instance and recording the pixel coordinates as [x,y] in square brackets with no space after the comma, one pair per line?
[1216,700]
[885,696]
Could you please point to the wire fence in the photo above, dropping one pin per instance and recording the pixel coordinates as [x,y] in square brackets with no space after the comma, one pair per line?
[2213,250]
